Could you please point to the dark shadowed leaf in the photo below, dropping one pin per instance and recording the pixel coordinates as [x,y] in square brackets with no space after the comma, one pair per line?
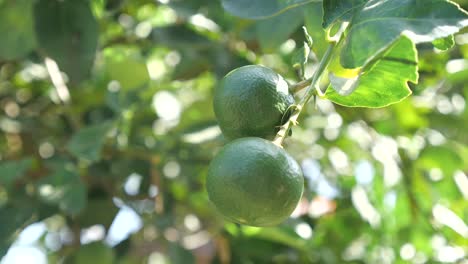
[64,189]
[180,255]
[10,171]
[16,29]
[67,32]
[340,10]
[272,32]
[87,143]
[12,219]
[260,8]
[300,58]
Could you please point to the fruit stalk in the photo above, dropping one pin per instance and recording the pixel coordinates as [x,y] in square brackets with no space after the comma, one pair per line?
[294,88]
[313,88]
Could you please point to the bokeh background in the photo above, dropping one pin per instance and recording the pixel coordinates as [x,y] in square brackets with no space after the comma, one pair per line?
[107,130]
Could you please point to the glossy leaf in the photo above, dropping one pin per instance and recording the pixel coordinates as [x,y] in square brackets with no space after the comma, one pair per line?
[273,31]
[67,32]
[11,171]
[87,143]
[379,23]
[340,10]
[16,29]
[313,14]
[384,83]
[444,43]
[260,8]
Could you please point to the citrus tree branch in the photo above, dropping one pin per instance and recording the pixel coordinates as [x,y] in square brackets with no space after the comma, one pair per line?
[294,88]
[313,88]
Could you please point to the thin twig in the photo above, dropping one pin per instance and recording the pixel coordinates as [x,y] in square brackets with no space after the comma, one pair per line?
[294,88]
[312,84]
[313,89]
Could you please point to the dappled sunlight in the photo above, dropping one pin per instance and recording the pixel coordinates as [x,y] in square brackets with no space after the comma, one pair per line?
[445,216]
[125,223]
[110,137]
[364,207]
[461,179]
[303,230]
[132,184]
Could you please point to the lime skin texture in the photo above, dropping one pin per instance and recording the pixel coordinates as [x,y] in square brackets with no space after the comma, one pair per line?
[252,101]
[252,181]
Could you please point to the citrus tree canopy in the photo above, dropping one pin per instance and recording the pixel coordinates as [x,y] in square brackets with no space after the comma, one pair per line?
[233,131]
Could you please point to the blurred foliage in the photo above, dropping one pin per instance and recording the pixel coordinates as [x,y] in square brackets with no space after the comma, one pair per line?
[129,126]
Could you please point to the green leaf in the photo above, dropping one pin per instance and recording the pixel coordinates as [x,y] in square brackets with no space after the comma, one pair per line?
[300,57]
[444,43]
[95,252]
[16,29]
[379,23]
[180,255]
[442,157]
[383,84]
[87,143]
[127,66]
[12,220]
[278,234]
[260,8]
[340,10]
[273,31]
[192,63]
[65,189]
[10,171]
[313,14]
[75,198]
[67,32]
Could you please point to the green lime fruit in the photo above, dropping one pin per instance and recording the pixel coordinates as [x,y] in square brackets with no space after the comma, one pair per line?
[252,101]
[254,182]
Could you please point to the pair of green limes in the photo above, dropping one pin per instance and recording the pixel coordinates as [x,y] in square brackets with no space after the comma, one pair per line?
[252,181]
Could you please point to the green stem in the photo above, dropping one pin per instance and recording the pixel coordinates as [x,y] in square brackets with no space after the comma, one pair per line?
[313,89]
[294,88]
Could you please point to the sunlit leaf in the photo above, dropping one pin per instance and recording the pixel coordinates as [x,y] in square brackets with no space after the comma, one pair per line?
[444,43]
[383,84]
[313,14]
[126,66]
[380,23]
[441,157]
